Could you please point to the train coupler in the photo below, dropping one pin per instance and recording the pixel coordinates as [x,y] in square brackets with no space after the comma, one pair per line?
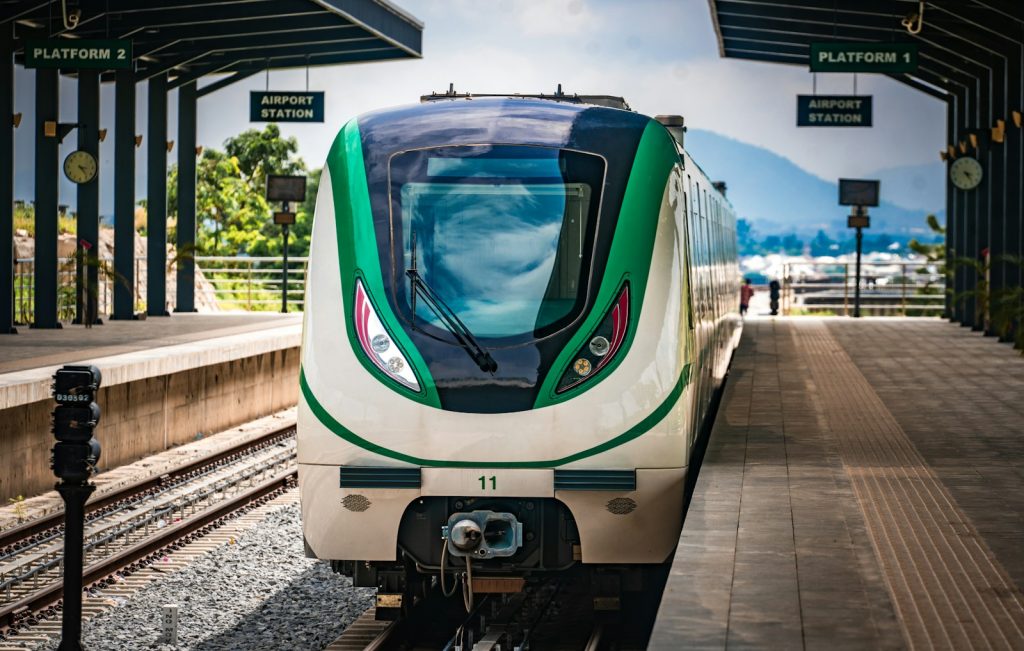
[483,534]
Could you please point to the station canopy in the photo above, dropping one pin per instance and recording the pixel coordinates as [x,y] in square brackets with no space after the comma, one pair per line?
[188,39]
[966,53]
[955,46]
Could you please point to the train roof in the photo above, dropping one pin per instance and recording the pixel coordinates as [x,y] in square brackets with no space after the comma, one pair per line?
[586,122]
[501,119]
[609,101]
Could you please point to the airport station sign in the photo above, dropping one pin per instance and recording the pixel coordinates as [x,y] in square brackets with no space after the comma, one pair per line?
[863,57]
[833,110]
[78,53]
[286,106]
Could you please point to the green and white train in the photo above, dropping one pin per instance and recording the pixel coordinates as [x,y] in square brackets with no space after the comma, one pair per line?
[518,310]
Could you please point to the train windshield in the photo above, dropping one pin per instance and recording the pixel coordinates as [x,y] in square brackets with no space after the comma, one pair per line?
[502,234]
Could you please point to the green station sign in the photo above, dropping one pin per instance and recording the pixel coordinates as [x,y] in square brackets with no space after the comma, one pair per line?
[833,110]
[863,57]
[78,53]
[286,106]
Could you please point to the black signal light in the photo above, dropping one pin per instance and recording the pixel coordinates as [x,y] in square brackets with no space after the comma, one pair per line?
[76,385]
[75,424]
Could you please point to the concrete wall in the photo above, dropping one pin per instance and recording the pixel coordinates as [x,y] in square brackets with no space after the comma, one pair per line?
[151,414]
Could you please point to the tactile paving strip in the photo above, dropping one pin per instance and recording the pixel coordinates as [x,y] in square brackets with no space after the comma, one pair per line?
[947,587]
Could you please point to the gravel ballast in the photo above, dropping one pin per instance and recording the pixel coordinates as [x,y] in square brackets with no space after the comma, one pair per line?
[259,593]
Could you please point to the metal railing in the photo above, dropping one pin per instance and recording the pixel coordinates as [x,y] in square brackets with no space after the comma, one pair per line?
[887,288]
[230,283]
[25,288]
[253,284]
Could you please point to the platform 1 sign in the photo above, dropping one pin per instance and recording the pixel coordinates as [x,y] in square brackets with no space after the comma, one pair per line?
[833,110]
[78,53]
[286,106]
[863,57]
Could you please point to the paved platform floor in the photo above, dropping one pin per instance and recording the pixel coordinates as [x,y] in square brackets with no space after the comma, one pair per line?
[863,488]
[36,348]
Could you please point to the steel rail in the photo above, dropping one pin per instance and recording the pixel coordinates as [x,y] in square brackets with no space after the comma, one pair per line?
[383,639]
[30,528]
[50,594]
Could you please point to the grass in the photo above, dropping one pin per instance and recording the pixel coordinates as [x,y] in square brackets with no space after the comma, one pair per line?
[25,220]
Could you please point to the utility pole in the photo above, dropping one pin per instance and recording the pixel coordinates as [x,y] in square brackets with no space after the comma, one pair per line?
[858,194]
[858,219]
[285,189]
[285,218]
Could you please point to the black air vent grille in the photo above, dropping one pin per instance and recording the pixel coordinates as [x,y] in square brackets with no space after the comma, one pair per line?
[369,477]
[595,480]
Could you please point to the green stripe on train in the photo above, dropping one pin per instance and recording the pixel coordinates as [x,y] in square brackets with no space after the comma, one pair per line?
[358,258]
[638,430]
[629,258]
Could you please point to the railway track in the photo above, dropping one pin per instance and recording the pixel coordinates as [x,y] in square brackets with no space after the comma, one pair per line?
[550,615]
[125,528]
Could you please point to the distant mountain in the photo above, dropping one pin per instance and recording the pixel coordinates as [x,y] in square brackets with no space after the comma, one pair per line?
[915,187]
[778,197]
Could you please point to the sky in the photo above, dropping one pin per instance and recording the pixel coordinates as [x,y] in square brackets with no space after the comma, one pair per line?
[661,55]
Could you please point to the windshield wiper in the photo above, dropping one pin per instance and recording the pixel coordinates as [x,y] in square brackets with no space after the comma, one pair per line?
[448,318]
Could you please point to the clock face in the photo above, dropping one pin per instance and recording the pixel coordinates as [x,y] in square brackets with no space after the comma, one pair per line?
[80,166]
[965,173]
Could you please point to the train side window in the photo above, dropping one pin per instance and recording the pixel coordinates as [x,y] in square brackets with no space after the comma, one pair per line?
[693,197]
[687,256]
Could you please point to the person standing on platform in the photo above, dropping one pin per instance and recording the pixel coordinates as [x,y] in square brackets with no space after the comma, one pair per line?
[746,293]
[773,294]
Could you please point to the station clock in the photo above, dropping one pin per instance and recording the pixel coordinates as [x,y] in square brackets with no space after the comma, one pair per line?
[965,173]
[80,166]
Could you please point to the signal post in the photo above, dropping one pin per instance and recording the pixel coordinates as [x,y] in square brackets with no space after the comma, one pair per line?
[75,456]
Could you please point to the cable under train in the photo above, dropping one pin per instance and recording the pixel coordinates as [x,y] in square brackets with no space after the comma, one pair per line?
[518,309]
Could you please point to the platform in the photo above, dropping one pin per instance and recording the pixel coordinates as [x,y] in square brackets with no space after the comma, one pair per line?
[32,348]
[863,488]
[166,381]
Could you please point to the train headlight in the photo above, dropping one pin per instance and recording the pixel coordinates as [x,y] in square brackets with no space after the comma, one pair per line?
[602,346]
[375,341]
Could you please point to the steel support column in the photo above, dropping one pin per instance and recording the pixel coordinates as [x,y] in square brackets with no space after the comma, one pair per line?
[1015,171]
[47,169]
[7,180]
[982,195]
[996,157]
[186,229]
[967,206]
[156,199]
[88,199]
[953,237]
[124,195]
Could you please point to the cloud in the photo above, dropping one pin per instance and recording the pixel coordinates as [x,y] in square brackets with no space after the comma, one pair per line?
[555,18]
[660,55]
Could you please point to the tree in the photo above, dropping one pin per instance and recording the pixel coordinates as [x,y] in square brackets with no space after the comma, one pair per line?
[746,238]
[229,214]
[792,244]
[232,214]
[260,153]
[772,244]
[934,254]
[822,245]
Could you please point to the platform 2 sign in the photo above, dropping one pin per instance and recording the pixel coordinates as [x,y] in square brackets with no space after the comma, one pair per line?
[863,57]
[286,106]
[78,53]
[833,110]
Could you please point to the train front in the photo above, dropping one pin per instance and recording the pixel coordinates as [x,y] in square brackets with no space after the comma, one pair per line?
[494,362]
